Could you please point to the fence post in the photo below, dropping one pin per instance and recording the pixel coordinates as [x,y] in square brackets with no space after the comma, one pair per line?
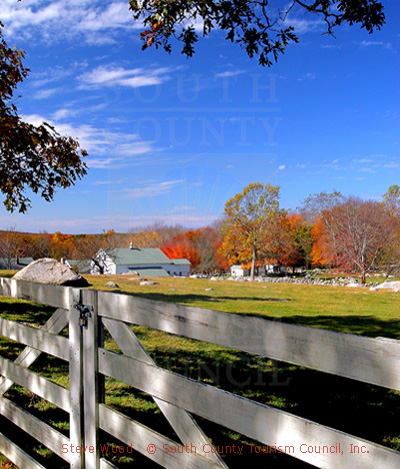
[75,381]
[91,381]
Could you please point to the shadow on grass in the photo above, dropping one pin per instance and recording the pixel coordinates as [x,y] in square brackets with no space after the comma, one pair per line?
[187,298]
[21,311]
[351,324]
[339,403]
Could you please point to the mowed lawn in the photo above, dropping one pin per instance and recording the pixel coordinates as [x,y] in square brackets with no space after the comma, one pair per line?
[343,309]
[336,402]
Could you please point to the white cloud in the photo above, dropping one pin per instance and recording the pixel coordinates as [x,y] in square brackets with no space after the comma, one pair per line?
[105,163]
[115,15]
[385,45]
[364,160]
[134,78]
[307,76]
[51,75]
[63,114]
[281,167]
[98,39]
[60,20]
[106,183]
[367,170]
[96,224]
[302,26]
[121,149]
[371,43]
[152,190]
[229,73]
[44,94]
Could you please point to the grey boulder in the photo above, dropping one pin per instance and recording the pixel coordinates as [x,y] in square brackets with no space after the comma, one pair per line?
[51,271]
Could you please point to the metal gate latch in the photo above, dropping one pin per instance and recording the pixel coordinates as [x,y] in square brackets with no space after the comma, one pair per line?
[85,313]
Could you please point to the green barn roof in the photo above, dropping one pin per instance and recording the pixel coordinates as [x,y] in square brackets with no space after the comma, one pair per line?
[180,261]
[136,256]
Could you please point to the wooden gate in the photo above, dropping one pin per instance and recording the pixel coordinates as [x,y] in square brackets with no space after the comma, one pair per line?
[87,312]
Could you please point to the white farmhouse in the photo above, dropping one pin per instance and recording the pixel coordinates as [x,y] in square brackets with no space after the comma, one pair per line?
[238,271]
[151,262]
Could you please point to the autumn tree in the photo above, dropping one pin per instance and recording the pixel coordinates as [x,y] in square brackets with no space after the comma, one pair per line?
[289,241]
[181,247]
[255,26]
[319,209]
[391,200]
[391,204]
[10,246]
[364,230]
[304,240]
[146,238]
[207,243]
[39,245]
[320,252]
[62,246]
[31,157]
[156,234]
[97,249]
[248,218]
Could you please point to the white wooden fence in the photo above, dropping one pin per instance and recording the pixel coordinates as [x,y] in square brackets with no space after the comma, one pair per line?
[375,361]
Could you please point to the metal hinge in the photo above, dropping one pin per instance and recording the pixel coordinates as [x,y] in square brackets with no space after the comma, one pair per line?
[84,313]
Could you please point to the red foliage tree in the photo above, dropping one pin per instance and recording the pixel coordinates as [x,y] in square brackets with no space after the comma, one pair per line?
[181,248]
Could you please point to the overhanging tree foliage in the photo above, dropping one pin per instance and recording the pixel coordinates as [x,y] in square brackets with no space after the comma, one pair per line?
[35,158]
[255,25]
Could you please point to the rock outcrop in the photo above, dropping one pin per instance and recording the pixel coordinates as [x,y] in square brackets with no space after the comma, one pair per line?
[51,271]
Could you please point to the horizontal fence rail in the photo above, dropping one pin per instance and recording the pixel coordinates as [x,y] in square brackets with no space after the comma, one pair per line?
[260,422]
[373,361]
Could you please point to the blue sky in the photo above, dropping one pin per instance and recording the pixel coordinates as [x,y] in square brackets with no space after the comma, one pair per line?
[172,139]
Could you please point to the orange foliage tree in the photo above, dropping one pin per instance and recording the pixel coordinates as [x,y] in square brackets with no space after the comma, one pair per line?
[321,256]
[200,247]
[289,242]
[181,248]
[62,246]
[145,239]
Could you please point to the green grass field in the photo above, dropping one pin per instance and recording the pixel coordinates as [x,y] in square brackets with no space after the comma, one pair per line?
[343,309]
[336,402]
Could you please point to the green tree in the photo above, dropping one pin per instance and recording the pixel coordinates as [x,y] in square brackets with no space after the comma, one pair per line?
[391,200]
[254,25]
[248,217]
[35,158]
[304,241]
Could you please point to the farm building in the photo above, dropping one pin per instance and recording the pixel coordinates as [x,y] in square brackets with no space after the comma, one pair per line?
[151,262]
[83,266]
[275,269]
[14,263]
[238,271]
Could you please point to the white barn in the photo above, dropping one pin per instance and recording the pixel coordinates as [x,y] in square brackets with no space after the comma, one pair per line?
[238,271]
[151,262]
